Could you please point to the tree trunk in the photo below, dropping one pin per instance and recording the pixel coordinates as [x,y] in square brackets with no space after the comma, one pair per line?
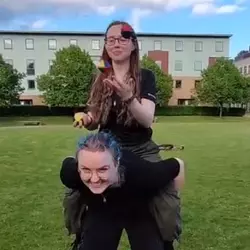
[221,110]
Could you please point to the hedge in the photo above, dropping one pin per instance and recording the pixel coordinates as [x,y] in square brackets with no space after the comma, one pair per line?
[164,111]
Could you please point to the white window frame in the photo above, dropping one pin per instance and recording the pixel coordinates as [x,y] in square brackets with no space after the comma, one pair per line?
[73,42]
[219,46]
[52,46]
[157,45]
[198,46]
[29,43]
[8,43]
[95,44]
[178,45]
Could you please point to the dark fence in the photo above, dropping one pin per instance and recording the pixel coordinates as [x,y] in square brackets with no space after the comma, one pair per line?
[160,111]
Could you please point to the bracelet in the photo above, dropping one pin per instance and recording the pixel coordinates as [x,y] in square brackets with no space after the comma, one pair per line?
[129,100]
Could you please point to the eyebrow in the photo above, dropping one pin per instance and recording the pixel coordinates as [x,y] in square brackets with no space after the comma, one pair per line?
[102,167]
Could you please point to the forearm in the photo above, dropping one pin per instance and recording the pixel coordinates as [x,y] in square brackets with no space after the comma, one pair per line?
[93,125]
[142,113]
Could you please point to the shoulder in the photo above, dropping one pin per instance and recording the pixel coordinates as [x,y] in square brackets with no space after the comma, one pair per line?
[148,85]
[145,73]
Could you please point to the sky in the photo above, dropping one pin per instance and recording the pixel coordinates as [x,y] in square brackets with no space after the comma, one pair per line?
[154,16]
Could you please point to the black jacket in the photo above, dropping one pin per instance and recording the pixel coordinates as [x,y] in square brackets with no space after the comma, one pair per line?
[142,179]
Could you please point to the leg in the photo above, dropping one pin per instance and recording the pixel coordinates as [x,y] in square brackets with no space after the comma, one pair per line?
[168,245]
[166,206]
[143,232]
[101,230]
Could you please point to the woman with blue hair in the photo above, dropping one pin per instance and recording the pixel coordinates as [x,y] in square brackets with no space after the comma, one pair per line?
[114,187]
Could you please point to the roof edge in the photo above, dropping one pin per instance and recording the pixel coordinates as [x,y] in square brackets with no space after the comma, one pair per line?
[87,33]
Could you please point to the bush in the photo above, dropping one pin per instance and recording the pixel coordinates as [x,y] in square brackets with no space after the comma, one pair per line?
[198,111]
[160,111]
[39,111]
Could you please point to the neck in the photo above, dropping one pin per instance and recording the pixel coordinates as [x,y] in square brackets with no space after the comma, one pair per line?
[121,68]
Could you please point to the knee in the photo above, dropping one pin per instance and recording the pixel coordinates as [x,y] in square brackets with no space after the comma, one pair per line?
[180,179]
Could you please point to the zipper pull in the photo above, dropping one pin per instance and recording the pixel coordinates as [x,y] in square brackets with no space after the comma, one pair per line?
[104,199]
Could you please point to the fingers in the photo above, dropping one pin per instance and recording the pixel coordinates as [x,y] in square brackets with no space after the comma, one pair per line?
[113,84]
[81,120]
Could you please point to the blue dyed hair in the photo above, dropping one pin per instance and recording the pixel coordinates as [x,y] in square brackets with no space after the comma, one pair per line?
[100,141]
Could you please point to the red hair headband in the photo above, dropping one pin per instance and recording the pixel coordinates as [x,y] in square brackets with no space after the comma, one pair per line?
[127,31]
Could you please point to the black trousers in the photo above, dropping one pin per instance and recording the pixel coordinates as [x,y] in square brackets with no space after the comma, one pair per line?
[150,152]
[102,229]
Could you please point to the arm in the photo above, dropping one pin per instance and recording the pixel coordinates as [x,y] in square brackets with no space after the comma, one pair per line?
[145,176]
[91,124]
[144,111]
[69,174]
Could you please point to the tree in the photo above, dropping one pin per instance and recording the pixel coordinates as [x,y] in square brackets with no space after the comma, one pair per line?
[10,84]
[221,84]
[164,82]
[246,93]
[68,81]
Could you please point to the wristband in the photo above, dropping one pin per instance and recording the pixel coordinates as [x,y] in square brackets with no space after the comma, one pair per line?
[129,100]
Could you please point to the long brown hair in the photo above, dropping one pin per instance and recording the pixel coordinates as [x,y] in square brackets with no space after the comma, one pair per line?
[100,101]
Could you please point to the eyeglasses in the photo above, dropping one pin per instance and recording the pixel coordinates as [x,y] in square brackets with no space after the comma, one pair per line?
[87,173]
[110,41]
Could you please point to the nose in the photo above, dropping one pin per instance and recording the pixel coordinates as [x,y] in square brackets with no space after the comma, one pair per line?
[117,44]
[94,178]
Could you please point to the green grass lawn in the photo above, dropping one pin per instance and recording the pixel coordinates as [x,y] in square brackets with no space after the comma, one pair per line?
[216,200]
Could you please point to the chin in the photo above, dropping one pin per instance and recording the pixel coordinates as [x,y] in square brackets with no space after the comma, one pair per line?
[119,59]
[98,190]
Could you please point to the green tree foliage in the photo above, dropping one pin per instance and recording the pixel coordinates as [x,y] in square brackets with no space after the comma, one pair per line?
[164,82]
[68,81]
[221,84]
[10,84]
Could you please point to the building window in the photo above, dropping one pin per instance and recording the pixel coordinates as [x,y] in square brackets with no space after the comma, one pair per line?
[31,84]
[30,67]
[158,63]
[158,45]
[139,44]
[178,84]
[178,65]
[219,46]
[8,44]
[29,43]
[248,69]
[52,44]
[198,66]
[178,45]
[241,70]
[73,42]
[185,102]
[196,83]
[9,61]
[26,102]
[198,46]
[95,44]
[245,70]
[50,64]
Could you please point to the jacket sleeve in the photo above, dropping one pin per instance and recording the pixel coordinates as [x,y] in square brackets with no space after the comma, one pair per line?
[69,174]
[144,176]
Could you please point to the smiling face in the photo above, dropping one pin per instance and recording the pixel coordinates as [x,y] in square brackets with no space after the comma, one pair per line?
[118,48]
[97,170]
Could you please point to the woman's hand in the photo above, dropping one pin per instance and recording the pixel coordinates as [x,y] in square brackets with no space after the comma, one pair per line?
[124,90]
[82,119]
